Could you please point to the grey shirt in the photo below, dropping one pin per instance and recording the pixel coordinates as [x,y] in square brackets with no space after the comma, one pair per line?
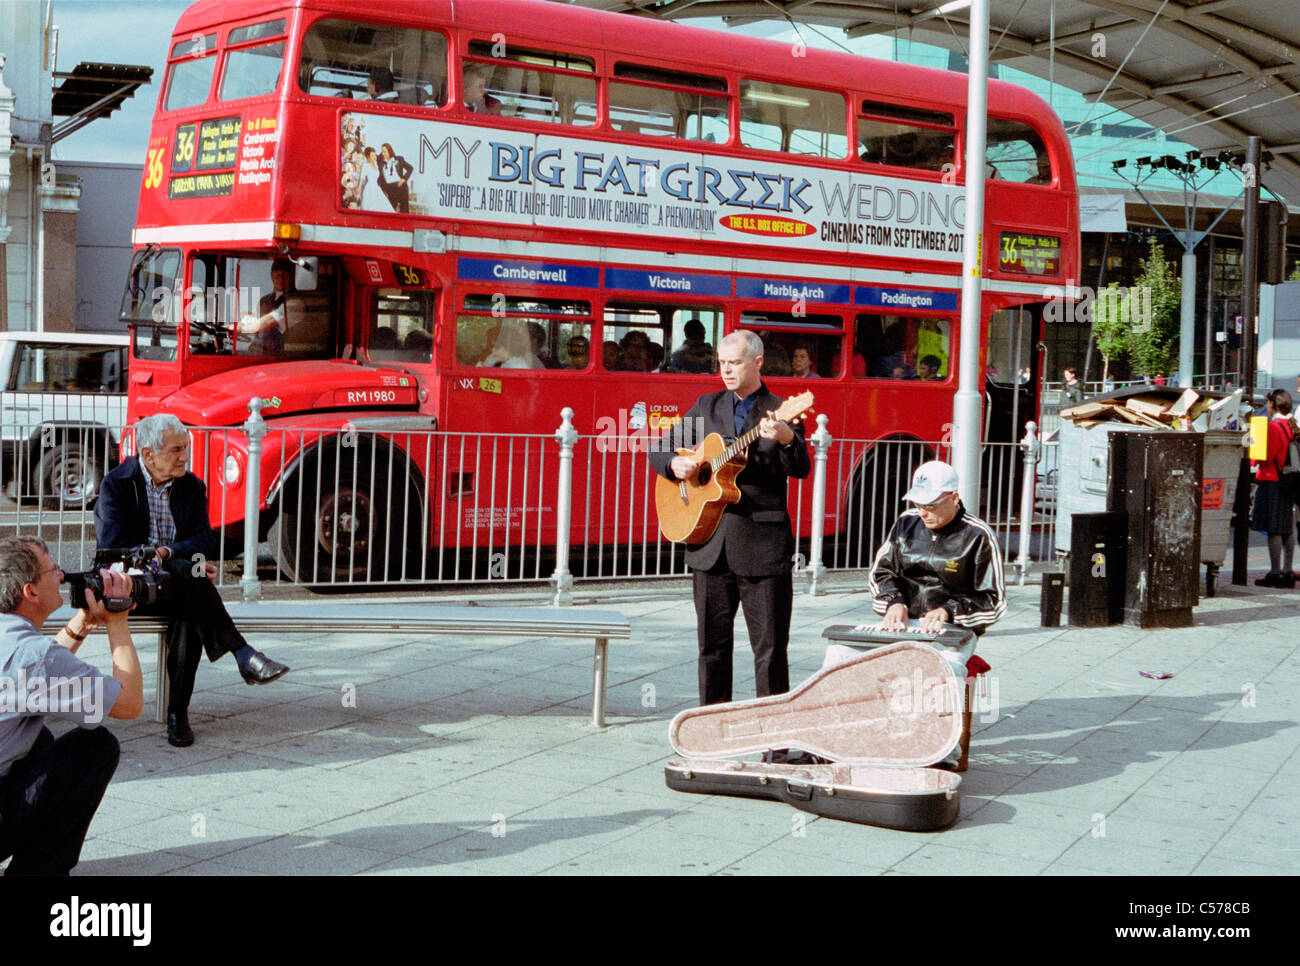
[41,678]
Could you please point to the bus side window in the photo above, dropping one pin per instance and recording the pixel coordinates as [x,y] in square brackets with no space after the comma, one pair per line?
[806,346]
[358,61]
[1016,153]
[401,325]
[695,336]
[903,347]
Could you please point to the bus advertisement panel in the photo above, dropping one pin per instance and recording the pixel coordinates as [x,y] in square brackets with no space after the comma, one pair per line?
[519,178]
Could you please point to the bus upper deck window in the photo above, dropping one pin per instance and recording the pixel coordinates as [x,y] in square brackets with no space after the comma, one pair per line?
[532,85]
[190,78]
[906,137]
[797,120]
[669,103]
[252,71]
[367,62]
[1016,153]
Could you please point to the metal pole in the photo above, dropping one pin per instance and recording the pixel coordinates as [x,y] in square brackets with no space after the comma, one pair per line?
[1030,443]
[1250,266]
[966,403]
[1187,322]
[1209,316]
[255,428]
[562,580]
[821,441]
[1249,279]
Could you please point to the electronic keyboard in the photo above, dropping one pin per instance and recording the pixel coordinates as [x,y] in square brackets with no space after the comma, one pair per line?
[949,638]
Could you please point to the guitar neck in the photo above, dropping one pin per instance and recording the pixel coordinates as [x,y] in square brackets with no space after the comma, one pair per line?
[739,446]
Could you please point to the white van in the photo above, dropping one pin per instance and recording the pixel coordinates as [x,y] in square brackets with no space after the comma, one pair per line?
[62,411]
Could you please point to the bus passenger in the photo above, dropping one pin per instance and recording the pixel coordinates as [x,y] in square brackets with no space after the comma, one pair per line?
[611,356]
[537,337]
[636,351]
[579,351]
[927,369]
[477,99]
[267,328]
[513,349]
[695,355]
[802,362]
[379,85]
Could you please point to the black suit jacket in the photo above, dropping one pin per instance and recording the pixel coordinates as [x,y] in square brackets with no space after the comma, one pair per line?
[755,532]
[122,512]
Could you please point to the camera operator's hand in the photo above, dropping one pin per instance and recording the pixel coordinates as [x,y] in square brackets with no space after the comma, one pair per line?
[115,585]
[163,553]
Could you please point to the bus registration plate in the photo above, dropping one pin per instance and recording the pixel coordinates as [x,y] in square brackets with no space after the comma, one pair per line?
[375,397]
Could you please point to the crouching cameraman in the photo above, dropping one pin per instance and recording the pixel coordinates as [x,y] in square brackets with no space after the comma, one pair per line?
[50,788]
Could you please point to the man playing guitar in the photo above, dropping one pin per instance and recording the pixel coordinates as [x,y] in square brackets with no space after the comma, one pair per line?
[748,560]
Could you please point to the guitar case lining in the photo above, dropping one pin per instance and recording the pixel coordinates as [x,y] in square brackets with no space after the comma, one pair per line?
[880,718]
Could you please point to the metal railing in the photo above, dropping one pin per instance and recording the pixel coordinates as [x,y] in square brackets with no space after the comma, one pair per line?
[368,506]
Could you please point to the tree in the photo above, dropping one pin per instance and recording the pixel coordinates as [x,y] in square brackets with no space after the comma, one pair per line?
[1110,326]
[1155,336]
[1141,322]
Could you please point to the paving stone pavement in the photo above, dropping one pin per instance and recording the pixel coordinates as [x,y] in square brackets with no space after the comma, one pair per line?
[392,755]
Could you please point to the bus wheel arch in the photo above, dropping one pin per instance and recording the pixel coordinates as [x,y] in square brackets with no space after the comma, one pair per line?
[873,498]
[348,513]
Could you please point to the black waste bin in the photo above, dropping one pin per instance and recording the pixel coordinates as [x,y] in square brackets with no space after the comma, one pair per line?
[1156,479]
[1098,551]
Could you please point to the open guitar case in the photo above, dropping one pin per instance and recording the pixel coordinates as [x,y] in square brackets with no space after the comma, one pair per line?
[881,719]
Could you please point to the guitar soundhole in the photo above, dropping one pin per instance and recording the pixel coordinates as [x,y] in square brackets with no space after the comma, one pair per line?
[706,473]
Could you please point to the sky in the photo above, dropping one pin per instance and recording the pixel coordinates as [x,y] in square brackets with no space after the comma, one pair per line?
[138,32]
[115,32]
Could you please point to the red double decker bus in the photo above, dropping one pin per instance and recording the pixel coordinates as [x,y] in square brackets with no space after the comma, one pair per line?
[465,215]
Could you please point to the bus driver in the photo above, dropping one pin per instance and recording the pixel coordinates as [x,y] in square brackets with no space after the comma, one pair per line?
[267,328]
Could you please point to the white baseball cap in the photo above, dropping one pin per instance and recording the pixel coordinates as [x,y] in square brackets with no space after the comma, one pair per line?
[931,481]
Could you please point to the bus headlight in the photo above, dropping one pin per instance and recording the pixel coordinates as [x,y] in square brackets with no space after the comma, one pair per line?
[232,471]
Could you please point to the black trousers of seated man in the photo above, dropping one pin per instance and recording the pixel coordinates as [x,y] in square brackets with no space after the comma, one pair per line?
[767,603]
[49,796]
[198,622]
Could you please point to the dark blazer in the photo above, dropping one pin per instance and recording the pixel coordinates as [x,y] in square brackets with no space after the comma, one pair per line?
[755,532]
[122,512]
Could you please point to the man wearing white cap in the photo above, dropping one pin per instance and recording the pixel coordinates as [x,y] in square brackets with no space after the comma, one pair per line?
[939,564]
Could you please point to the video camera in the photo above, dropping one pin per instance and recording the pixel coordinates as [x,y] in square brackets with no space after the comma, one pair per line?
[150,585]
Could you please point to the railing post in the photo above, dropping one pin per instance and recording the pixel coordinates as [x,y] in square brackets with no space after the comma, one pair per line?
[1030,443]
[821,441]
[562,580]
[255,428]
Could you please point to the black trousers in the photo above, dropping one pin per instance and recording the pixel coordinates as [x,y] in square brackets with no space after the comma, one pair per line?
[198,623]
[767,604]
[49,796]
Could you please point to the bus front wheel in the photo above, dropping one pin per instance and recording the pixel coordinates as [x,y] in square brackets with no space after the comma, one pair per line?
[351,532]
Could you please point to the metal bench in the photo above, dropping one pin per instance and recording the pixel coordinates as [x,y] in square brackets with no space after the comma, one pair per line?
[378,618]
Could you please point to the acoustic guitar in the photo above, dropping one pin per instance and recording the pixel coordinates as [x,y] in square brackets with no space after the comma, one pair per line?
[689,510]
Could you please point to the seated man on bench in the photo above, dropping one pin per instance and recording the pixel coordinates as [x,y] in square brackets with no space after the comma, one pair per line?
[152,500]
